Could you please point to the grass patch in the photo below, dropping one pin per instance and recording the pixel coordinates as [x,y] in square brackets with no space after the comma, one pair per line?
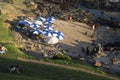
[62,56]
[76,63]
[14,52]
[5,33]
[34,71]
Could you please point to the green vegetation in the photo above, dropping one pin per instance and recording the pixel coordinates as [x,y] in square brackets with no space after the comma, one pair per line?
[34,71]
[77,64]
[5,33]
[62,56]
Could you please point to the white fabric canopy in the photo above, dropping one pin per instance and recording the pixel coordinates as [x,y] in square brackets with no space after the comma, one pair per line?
[52,40]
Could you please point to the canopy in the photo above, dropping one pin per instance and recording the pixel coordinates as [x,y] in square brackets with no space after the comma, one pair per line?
[58,35]
[34,26]
[47,23]
[50,19]
[25,22]
[47,33]
[38,32]
[49,27]
[52,40]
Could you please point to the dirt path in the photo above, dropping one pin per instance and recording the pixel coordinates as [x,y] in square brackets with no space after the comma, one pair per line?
[67,67]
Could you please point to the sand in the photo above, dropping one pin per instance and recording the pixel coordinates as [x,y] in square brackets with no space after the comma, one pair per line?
[74,35]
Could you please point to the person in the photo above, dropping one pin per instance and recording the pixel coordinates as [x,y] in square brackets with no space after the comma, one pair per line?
[69,18]
[2,49]
[16,69]
[93,28]
[12,69]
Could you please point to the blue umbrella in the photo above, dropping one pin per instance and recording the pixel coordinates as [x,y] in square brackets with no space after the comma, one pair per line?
[34,26]
[25,22]
[58,35]
[47,33]
[50,19]
[49,27]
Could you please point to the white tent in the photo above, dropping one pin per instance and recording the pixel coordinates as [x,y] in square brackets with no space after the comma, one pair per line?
[52,40]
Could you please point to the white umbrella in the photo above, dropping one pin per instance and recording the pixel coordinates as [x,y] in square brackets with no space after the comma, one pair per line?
[52,40]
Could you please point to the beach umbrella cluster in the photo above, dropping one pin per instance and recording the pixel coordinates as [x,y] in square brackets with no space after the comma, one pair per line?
[43,26]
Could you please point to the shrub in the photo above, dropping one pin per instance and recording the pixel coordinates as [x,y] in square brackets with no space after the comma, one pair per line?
[62,56]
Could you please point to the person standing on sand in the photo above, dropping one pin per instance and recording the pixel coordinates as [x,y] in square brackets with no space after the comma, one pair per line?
[93,28]
[69,18]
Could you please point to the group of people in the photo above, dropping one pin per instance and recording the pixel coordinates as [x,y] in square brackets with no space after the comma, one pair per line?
[16,69]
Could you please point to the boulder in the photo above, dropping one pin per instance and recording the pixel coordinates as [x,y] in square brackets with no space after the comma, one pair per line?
[98,64]
[81,59]
[115,60]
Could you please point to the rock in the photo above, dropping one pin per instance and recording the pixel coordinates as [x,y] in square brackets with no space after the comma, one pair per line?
[90,59]
[45,55]
[97,64]
[115,60]
[98,55]
[81,59]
